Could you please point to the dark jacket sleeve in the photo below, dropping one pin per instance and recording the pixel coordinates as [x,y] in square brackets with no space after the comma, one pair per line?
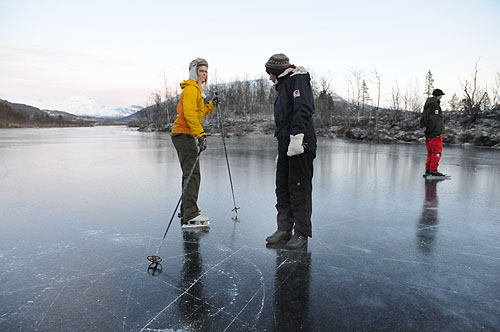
[303,103]
[433,120]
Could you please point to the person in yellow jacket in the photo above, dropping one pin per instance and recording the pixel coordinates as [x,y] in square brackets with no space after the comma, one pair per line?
[186,130]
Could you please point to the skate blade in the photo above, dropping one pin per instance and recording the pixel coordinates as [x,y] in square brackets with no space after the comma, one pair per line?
[206,224]
[433,177]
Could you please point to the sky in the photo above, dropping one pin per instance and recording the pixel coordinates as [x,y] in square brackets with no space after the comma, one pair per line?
[120,52]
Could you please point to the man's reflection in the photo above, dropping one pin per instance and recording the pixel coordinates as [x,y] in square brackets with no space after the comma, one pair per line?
[291,290]
[193,306]
[427,225]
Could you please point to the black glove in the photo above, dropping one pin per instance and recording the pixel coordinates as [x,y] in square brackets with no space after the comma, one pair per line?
[215,101]
[202,143]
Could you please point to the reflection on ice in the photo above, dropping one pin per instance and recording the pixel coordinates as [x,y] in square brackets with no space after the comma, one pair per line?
[82,208]
[427,225]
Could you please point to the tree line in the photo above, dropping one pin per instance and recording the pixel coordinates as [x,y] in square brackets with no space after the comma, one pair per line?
[255,98]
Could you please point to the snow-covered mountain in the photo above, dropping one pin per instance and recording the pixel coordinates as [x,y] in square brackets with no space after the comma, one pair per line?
[337,98]
[129,110]
[84,106]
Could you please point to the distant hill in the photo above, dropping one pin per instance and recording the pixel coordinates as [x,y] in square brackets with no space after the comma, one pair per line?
[83,106]
[14,115]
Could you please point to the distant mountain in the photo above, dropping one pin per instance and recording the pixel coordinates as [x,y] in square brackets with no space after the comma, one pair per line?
[126,111]
[146,112]
[21,115]
[84,106]
[337,98]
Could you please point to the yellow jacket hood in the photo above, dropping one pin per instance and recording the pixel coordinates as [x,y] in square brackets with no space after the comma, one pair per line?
[188,83]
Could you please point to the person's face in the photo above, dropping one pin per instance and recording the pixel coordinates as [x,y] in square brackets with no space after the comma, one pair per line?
[439,97]
[273,78]
[202,74]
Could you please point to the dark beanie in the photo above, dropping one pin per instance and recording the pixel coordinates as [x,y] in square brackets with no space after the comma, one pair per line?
[277,64]
[437,93]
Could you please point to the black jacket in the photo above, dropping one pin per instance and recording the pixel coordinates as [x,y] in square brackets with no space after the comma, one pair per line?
[432,118]
[293,109]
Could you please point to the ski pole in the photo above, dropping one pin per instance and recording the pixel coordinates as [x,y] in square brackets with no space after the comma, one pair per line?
[155,259]
[219,114]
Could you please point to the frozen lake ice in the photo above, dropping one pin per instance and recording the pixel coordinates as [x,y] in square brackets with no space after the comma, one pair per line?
[81,208]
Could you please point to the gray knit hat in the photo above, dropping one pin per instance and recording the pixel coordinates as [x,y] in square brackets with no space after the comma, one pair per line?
[277,64]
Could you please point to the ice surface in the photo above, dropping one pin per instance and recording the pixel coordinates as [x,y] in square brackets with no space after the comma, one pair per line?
[82,208]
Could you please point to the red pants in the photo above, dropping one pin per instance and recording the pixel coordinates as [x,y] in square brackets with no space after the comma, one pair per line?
[434,147]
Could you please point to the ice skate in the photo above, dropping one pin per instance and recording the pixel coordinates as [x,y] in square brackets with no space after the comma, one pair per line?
[197,222]
[437,176]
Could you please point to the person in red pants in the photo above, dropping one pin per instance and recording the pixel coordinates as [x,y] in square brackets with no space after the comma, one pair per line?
[432,121]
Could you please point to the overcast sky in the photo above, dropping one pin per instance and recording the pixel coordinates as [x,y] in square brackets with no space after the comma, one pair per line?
[118,52]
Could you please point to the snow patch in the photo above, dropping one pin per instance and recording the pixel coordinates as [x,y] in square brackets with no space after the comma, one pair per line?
[94,232]
[134,239]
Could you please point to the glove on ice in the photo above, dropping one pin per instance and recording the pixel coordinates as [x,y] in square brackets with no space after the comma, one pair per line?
[295,147]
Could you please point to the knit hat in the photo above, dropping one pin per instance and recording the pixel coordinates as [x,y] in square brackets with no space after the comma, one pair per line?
[193,68]
[437,93]
[277,64]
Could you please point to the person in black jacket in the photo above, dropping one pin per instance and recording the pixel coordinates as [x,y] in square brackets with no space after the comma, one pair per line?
[432,121]
[293,110]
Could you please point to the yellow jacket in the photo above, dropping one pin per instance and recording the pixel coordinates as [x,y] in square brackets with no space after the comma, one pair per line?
[190,110]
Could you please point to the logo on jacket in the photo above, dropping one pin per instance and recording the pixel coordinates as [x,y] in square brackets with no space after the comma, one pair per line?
[296,93]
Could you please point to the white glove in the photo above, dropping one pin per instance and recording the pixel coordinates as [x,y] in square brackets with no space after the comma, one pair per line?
[295,147]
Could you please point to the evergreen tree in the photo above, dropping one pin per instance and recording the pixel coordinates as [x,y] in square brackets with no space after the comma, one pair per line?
[454,103]
[429,84]
[365,97]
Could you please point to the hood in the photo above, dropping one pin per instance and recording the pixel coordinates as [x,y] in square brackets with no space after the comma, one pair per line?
[189,82]
[294,70]
[193,74]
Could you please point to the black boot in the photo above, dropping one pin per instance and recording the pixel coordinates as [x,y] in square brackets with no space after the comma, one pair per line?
[297,241]
[427,172]
[436,173]
[279,236]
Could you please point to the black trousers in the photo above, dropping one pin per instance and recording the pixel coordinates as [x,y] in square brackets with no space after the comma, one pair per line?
[294,192]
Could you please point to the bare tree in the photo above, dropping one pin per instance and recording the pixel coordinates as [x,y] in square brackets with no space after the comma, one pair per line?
[396,99]
[406,100]
[355,83]
[496,91]
[168,93]
[378,84]
[474,97]
[158,113]
[324,102]
[413,97]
